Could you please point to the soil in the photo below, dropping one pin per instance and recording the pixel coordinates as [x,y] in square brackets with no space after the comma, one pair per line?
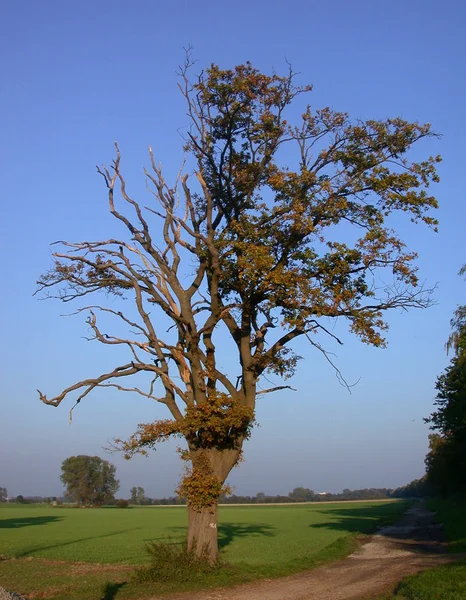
[412,544]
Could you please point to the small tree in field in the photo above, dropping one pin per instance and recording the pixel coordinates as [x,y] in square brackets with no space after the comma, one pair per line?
[89,480]
[246,250]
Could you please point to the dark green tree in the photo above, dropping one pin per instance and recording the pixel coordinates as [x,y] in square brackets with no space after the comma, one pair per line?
[247,250]
[3,494]
[446,460]
[457,339]
[89,480]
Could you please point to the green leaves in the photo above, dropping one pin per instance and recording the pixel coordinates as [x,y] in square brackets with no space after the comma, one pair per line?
[89,480]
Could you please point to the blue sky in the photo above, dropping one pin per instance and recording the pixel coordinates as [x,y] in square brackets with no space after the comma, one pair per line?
[76,77]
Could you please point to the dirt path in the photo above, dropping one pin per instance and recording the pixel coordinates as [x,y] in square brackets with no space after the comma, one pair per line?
[413,544]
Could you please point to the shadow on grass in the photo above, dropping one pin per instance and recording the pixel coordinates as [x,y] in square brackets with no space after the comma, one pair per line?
[359,520]
[111,590]
[227,532]
[69,543]
[15,523]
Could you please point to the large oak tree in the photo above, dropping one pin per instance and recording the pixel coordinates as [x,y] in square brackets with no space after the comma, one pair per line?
[245,247]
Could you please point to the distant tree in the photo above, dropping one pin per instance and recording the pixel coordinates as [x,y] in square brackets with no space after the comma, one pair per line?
[89,480]
[255,252]
[121,503]
[20,499]
[301,494]
[138,495]
[3,494]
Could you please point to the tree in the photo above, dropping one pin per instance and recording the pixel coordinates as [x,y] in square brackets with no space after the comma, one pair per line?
[446,460]
[252,253]
[457,339]
[89,480]
[301,494]
[20,499]
[3,494]
[137,495]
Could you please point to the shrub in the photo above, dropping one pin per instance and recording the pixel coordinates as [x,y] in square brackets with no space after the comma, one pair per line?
[122,503]
[172,561]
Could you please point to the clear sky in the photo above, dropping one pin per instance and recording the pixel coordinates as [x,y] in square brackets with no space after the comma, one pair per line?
[78,75]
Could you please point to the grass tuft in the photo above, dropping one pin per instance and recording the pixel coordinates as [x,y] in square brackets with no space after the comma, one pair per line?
[172,561]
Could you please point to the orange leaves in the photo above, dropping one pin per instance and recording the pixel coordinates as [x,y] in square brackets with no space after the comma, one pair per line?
[211,428]
[219,423]
[345,175]
[201,489]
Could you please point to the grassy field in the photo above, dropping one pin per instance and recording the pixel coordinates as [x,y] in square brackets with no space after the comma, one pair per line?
[447,582]
[38,543]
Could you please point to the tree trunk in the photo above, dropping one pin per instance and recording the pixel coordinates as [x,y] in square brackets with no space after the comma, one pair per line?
[203,532]
[203,519]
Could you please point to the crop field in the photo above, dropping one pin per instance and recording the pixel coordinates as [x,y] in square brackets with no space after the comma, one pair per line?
[37,541]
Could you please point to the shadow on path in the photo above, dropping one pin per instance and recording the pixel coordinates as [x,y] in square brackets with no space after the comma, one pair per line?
[356,520]
[416,528]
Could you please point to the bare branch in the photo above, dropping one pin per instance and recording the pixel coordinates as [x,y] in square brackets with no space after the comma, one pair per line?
[276,389]
[338,373]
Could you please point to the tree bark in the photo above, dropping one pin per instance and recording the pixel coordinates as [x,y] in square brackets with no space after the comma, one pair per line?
[203,532]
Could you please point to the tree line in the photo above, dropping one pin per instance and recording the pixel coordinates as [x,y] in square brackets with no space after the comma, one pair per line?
[298,494]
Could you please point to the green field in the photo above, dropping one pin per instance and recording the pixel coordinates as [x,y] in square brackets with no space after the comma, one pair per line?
[257,541]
